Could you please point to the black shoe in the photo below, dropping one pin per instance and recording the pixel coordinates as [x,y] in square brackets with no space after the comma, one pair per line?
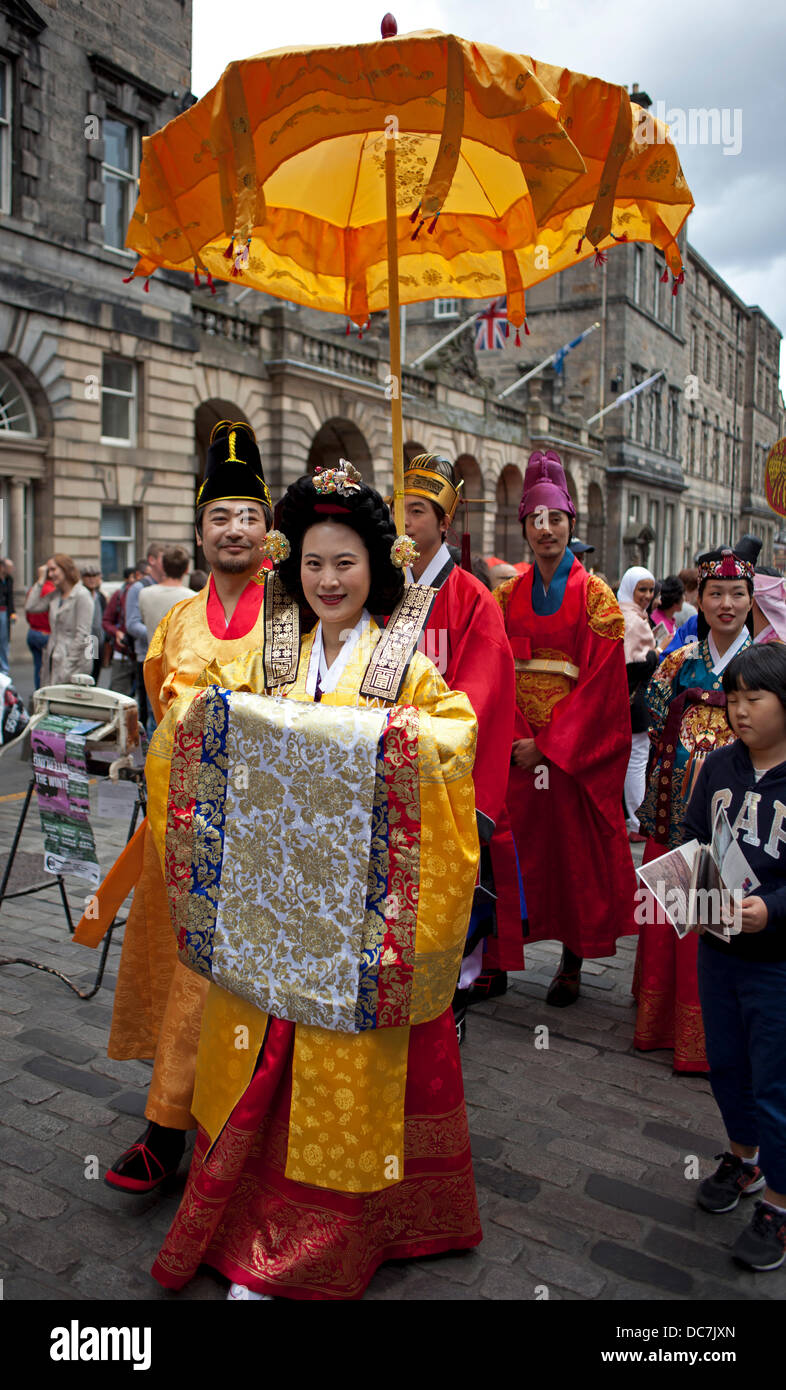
[154,1157]
[733,1179]
[564,989]
[762,1245]
[489,985]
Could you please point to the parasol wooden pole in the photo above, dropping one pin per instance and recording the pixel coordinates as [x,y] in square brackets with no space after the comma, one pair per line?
[394,321]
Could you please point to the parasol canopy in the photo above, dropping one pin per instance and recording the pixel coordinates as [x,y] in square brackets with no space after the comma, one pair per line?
[507,170]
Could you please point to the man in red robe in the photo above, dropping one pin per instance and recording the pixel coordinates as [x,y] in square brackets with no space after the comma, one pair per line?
[158,1003]
[465,638]
[571,741]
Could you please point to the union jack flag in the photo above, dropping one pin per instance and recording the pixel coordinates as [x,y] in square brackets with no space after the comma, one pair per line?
[492,327]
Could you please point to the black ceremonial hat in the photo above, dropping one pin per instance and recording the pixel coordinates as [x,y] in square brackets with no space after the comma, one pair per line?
[233,471]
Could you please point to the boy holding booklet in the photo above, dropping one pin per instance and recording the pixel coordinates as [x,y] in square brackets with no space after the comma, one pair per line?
[742,982]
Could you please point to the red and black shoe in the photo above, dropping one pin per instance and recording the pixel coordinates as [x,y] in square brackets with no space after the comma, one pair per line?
[154,1157]
[489,985]
[564,988]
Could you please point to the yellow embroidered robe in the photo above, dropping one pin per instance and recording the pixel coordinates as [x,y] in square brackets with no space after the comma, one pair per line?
[350,1087]
[157,1002]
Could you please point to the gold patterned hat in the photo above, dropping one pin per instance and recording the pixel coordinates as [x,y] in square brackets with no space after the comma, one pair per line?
[422,479]
[233,471]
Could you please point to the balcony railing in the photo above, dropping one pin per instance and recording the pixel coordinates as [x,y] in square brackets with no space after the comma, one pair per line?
[223,323]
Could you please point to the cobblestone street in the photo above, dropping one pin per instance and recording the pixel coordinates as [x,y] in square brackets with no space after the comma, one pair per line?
[580,1146]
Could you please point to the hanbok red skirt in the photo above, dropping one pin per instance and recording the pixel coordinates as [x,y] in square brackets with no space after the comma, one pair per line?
[242,1216]
[666,990]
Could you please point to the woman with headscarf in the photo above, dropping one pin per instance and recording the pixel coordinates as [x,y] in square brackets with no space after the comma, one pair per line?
[769,607]
[633,596]
[687,709]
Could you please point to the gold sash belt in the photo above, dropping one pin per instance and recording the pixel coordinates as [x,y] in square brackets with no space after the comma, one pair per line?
[558,668]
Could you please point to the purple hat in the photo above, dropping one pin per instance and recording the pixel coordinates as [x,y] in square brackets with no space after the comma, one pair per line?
[545,485]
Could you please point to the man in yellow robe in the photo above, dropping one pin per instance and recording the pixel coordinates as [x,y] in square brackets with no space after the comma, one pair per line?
[158,1004]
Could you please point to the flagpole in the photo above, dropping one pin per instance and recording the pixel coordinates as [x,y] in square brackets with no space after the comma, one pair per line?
[534,372]
[626,396]
[540,367]
[454,332]
[394,325]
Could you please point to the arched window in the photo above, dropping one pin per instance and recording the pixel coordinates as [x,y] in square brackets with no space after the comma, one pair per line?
[16,413]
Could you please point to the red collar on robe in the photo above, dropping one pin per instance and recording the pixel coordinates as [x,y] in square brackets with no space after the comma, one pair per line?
[245,614]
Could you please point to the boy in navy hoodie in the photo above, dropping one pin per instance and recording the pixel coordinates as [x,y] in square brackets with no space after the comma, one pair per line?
[742,983]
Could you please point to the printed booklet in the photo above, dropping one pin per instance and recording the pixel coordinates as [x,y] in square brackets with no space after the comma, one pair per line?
[699,885]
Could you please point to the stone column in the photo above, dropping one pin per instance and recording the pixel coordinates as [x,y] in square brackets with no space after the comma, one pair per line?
[16,539]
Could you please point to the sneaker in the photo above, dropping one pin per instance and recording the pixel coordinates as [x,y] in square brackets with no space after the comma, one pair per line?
[733,1179]
[238,1293]
[762,1245]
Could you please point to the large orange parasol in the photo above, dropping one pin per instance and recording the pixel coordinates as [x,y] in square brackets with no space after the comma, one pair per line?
[352,179]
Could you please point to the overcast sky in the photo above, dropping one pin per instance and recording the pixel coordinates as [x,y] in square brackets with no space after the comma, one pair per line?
[720,54]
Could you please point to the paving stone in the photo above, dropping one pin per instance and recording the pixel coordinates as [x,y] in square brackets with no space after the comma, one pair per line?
[67,1176]
[497,1125]
[550,1267]
[129,1073]
[86,1144]
[30,1088]
[633,1265]
[22,1152]
[11,1051]
[597,1111]
[80,1108]
[10,1027]
[713,1292]
[526,1222]
[483,1147]
[505,1182]
[43,1246]
[35,1122]
[30,1199]
[597,1158]
[640,1200]
[533,1160]
[100,1234]
[505,1283]
[10,1005]
[97,1015]
[130,1102]
[96,1278]
[623,1291]
[586,1216]
[686,1141]
[461,1265]
[711,1259]
[22,1289]
[84,1081]
[638,1146]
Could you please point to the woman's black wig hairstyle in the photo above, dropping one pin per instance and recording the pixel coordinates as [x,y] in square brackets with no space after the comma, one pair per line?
[761,667]
[365,513]
[702,626]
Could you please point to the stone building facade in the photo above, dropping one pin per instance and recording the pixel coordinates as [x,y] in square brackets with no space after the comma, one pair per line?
[108,394]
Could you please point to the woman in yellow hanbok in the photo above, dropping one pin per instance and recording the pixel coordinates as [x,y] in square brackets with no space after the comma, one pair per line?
[333,1132]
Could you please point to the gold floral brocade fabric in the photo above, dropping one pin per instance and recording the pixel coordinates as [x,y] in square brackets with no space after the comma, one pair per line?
[347,1113]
